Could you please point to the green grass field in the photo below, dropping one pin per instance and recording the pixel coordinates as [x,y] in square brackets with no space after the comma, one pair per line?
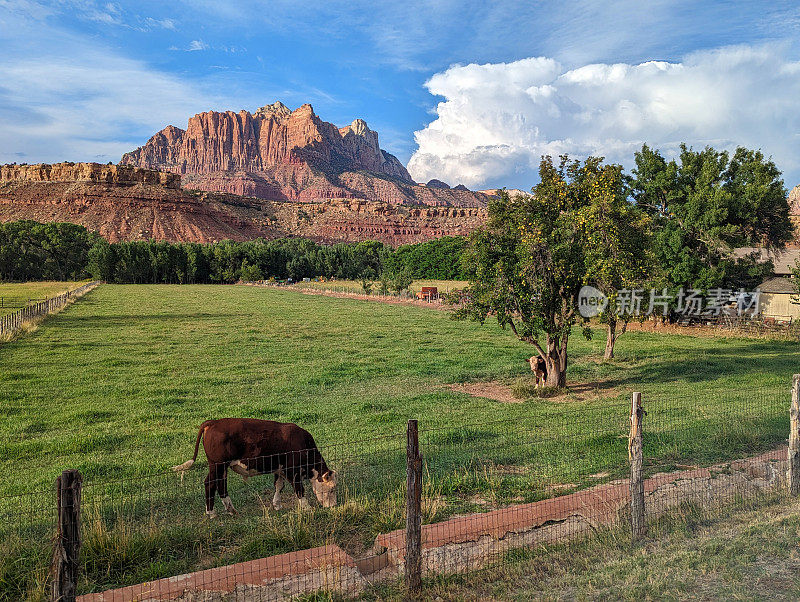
[144,365]
[117,384]
[15,295]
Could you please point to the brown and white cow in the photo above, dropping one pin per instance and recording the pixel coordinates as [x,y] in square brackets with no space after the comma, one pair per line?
[252,447]
[539,369]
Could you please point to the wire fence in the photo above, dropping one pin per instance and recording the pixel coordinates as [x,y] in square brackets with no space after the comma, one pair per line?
[13,322]
[408,506]
[773,326]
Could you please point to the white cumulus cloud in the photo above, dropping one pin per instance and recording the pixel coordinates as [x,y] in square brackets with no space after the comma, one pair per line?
[497,120]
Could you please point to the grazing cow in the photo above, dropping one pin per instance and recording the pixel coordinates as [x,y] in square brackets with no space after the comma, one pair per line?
[252,447]
[539,368]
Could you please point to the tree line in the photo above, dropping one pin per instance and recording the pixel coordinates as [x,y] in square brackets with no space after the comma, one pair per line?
[33,251]
[60,251]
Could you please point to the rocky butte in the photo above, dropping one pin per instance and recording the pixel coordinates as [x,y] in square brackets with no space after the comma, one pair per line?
[279,154]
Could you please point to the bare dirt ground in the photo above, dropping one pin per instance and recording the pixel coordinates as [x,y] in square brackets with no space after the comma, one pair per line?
[501,391]
[489,390]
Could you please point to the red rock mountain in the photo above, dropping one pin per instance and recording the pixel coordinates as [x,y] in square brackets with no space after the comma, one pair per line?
[131,203]
[278,154]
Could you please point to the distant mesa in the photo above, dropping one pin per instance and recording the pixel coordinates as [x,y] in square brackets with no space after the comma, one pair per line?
[281,154]
[512,192]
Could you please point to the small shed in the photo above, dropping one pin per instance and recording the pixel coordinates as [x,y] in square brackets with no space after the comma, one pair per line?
[776,299]
[428,293]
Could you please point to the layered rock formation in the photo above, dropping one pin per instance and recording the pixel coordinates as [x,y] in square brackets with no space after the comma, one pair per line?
[121,175]
[278,154]
[794,200]
[127,203]
[794,210]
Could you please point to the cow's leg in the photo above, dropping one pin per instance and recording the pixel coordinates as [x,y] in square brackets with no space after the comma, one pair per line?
[222,484]
[297,483]
[211,491]
[279,483]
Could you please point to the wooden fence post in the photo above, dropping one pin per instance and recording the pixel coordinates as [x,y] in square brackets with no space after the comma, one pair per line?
[413,512]
[636,457]
[794,438]
[68,537]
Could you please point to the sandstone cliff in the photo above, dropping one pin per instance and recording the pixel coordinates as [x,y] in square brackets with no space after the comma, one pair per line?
[794,200]
[794,210]
[278,154]
[126,203]
[121,175]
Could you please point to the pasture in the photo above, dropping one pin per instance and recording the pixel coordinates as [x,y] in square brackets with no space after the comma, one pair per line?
[139,367]
[13,296]
[117,385]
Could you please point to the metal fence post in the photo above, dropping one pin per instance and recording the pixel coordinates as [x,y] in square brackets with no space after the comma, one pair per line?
[794,438]
[413,570]
[636,457]
[68,537]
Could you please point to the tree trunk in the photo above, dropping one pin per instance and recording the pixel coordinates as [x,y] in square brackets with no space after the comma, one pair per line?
[610,340]
[556,361]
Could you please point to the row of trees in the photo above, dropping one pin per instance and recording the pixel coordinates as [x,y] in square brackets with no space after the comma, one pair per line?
[60,251]
[669,224]
[33,251]
[295,258]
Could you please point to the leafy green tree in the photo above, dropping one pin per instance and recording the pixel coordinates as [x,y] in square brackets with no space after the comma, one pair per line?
[385,281]
[527,265]
[616,245]
[703,206]
[401,280]
[366,285]
[250,272]
[438,259]
[101,261]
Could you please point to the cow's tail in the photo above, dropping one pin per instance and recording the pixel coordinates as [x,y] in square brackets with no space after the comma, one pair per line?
[189,463]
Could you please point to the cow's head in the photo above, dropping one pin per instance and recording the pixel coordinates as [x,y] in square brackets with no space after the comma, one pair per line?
[324,486]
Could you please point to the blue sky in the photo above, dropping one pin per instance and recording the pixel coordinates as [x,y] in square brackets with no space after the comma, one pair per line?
[468,91]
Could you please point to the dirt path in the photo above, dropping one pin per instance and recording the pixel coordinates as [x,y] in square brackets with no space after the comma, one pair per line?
[361,297]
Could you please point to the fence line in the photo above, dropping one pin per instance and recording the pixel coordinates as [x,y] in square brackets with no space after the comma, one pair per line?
[436,501]
[11,323]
